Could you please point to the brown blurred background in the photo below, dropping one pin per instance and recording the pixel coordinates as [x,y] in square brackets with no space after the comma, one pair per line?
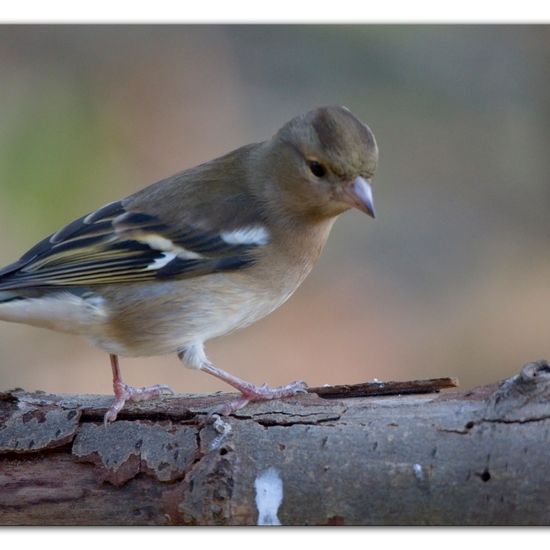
[453,278]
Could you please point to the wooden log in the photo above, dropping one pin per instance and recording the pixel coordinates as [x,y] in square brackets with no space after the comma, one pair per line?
[478,457]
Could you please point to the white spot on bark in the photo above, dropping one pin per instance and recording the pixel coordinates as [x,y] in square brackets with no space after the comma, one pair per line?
[269,495]
[418,471]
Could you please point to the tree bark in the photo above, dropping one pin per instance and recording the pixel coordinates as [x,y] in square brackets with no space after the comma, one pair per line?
[454,458]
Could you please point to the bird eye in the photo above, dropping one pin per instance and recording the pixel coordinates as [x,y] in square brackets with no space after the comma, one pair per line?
[317,169]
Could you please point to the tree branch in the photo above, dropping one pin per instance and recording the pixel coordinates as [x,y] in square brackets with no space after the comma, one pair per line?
[452,458]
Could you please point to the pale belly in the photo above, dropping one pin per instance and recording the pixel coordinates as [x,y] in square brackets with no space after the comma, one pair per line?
[176,317]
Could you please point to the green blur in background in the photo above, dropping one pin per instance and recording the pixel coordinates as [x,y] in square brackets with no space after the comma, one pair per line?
[453,277]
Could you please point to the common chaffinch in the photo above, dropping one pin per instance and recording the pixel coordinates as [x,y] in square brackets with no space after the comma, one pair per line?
[199,254]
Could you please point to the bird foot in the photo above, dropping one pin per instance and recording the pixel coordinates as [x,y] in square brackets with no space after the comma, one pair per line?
[251,393]
[124,393]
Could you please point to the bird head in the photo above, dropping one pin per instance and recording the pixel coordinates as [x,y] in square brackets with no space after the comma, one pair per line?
[323,163]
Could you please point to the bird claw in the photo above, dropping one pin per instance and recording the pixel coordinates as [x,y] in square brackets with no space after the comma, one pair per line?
[110,416]
[264,392]
[225,409]
[150,392]
[252,393]
[124,393]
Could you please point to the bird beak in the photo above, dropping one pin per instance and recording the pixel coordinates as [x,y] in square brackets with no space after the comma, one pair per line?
[358,194]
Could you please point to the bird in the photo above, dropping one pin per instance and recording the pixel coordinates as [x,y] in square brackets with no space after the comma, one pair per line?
[200,254]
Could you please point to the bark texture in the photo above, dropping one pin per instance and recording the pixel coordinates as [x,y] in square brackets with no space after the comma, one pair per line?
[454,458]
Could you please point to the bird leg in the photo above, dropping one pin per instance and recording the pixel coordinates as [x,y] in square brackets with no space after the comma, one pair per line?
[124,393]
[249,391]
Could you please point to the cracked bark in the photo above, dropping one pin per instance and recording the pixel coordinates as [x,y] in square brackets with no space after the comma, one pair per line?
[475,457]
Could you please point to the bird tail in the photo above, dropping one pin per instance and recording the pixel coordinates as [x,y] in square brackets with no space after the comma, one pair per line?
[4,280]
[8,296]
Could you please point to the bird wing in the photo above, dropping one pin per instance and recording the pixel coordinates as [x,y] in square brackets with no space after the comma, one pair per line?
[116,244]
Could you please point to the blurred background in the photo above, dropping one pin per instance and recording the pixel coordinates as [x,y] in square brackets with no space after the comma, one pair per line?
[453,277]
